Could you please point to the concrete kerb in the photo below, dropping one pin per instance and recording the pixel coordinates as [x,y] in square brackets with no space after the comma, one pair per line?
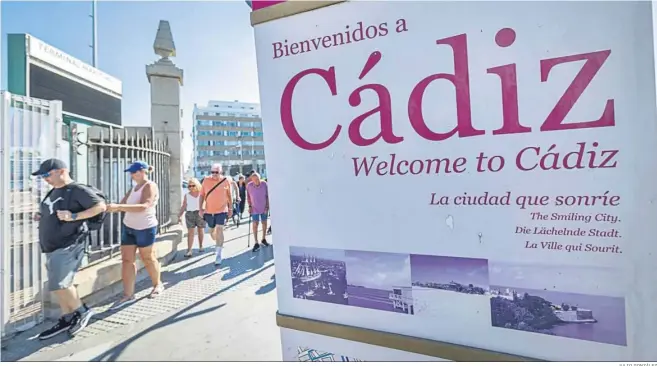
[102,281]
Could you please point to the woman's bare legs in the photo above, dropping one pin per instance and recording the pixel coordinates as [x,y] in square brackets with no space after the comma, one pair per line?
[190,242]
[201,236]
[128,269]
[151,264]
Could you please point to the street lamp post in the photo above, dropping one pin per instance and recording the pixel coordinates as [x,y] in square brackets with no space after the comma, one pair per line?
[253,157]
[241,157]
[239,139]
[240,147]
[94,35]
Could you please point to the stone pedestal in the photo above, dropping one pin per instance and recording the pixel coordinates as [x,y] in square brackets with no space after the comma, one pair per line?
[166,79]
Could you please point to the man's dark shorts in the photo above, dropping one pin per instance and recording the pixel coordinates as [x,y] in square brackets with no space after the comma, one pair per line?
[141,238]
[194,220]
[62,265]
[215,219]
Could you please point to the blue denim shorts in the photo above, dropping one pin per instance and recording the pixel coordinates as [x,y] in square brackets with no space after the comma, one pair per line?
[141,238]
[259,217]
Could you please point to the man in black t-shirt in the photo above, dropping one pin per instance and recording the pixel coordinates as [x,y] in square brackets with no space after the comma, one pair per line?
[62,233]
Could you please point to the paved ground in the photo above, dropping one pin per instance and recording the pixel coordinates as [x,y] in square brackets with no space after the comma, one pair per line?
[206,314]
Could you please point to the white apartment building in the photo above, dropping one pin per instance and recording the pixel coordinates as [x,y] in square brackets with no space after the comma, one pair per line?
[229,133]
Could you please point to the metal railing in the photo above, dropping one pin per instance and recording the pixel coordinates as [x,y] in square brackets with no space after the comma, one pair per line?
[30,132]
[110,152]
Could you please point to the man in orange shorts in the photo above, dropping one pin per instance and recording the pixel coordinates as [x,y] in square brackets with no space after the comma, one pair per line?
[216,206]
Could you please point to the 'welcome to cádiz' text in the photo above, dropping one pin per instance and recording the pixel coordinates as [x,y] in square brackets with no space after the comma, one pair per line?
[584,156]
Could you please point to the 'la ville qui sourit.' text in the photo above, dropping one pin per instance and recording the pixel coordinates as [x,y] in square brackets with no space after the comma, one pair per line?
[554,245]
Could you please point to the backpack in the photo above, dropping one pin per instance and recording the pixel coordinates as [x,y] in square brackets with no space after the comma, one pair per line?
[93,223]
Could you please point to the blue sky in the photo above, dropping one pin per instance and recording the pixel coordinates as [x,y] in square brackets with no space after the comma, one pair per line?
[378,270]
[214,43]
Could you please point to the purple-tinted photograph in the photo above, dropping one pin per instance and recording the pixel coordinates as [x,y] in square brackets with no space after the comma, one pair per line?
[520,300]
[380,281]
[463,275]
[593,318]
[319,274]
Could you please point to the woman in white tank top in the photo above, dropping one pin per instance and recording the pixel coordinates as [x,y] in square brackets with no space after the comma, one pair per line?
[193,220]
[139,231]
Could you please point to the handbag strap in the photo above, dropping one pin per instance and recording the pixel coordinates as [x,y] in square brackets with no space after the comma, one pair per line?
[215,187]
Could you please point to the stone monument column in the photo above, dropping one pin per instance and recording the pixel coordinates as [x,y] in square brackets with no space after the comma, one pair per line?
[166,79]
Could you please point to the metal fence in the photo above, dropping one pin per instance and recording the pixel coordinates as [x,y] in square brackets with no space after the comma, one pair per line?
[110,152]
[30,132]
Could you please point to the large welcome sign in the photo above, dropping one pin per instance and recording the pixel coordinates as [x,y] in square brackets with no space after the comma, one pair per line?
[480,175]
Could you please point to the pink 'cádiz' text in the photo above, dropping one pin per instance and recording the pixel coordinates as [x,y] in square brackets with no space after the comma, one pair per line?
[592,63]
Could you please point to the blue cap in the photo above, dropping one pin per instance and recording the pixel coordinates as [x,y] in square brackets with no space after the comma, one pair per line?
[137,166]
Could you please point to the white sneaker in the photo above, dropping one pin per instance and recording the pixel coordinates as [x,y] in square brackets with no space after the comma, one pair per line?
[217,259]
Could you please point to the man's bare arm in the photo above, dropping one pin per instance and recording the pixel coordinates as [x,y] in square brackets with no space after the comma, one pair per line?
[91,212]
[230,198]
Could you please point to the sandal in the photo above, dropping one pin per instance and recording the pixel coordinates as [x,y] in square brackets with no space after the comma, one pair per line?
[188,254]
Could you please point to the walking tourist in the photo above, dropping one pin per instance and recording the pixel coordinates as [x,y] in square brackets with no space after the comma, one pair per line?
[258,197]
[65,216]
[193,220]
[138,232]
[216,206]
[241,183]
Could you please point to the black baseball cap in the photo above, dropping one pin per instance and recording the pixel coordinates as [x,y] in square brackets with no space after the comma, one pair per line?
[48,165]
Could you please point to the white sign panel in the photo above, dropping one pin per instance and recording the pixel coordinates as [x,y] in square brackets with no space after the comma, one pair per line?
[479,173]
[50,55]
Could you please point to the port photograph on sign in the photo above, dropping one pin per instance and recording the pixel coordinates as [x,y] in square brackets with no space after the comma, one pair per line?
[319,274]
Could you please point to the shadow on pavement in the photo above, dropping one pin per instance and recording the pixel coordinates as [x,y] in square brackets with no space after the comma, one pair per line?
[116,351]
[245,262]
[180,257]
[25,343]
[268,287]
